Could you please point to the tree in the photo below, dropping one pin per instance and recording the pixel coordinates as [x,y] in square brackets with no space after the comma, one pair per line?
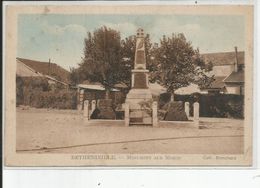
[178,63]
[102,58]
[202,76]
[128,56]
[74,78]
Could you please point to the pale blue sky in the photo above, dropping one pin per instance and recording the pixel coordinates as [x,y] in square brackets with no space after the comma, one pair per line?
[61,37]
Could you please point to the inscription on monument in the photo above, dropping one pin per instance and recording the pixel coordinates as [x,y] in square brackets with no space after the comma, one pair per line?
[140,81]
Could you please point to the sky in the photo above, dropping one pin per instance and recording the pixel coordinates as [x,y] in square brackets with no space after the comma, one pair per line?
[61,37]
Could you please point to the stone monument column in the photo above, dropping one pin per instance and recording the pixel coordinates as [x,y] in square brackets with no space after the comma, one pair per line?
[139,91]
[140,74]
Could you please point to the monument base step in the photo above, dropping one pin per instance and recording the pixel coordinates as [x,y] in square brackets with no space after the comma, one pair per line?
[141,120]
[139,94]
[140,124]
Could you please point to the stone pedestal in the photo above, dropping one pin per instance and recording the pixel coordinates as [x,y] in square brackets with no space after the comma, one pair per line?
[138,114]
[105,110]
[174,111]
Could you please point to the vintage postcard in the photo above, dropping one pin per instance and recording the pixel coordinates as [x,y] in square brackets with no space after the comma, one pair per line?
[128,85]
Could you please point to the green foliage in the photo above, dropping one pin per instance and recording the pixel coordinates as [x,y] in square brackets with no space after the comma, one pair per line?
[128,56]
[74,76]
[31,84]
[209,66]
[146,105]
[102,58]
[109,60]
[176,63]
[19,90]
[36,92]
[220,105]
[62,99]
[179,64]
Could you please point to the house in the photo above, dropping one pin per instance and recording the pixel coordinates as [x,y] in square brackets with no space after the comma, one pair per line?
[228,71]
[234,83]
[51,71]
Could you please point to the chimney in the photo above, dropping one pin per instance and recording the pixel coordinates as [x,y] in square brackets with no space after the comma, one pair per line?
[236,61]
[49,68]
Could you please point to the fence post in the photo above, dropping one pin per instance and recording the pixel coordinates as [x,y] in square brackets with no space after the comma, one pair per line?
[187,109]
[154,114]
[127,119]
[93,107]
[81,98]
[196,111]
[86,111]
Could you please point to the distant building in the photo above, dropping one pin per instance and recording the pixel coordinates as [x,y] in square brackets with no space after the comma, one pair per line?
[234,83]
[25,71]
[228,71]
[51,71]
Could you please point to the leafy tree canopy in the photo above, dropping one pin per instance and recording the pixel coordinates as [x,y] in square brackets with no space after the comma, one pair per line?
[109,60]
[178,64]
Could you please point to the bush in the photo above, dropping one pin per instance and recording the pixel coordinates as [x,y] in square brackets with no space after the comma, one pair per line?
[222,105]
[19,91]
[36,92]
[61,100]
[219,105]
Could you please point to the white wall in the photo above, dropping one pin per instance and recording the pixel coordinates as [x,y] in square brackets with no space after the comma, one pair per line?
[223,70]
[233,90]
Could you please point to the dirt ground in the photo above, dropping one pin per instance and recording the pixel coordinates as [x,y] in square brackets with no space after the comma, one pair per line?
[64,131]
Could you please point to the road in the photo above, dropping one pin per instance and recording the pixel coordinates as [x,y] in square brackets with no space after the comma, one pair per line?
[64,131]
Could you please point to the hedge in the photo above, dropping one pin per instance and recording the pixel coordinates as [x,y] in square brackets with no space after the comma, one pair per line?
[36,92]
[219,105]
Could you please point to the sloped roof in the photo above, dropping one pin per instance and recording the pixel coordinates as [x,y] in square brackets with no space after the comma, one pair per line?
[86,84]
[91,87]
[43,67]
[224,58]
[121,85]
[235,77]
[218,82]
[156,89]
[26,71]
[55,80]
[188,90]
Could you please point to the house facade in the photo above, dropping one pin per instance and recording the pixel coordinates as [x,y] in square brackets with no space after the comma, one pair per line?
[228,71]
